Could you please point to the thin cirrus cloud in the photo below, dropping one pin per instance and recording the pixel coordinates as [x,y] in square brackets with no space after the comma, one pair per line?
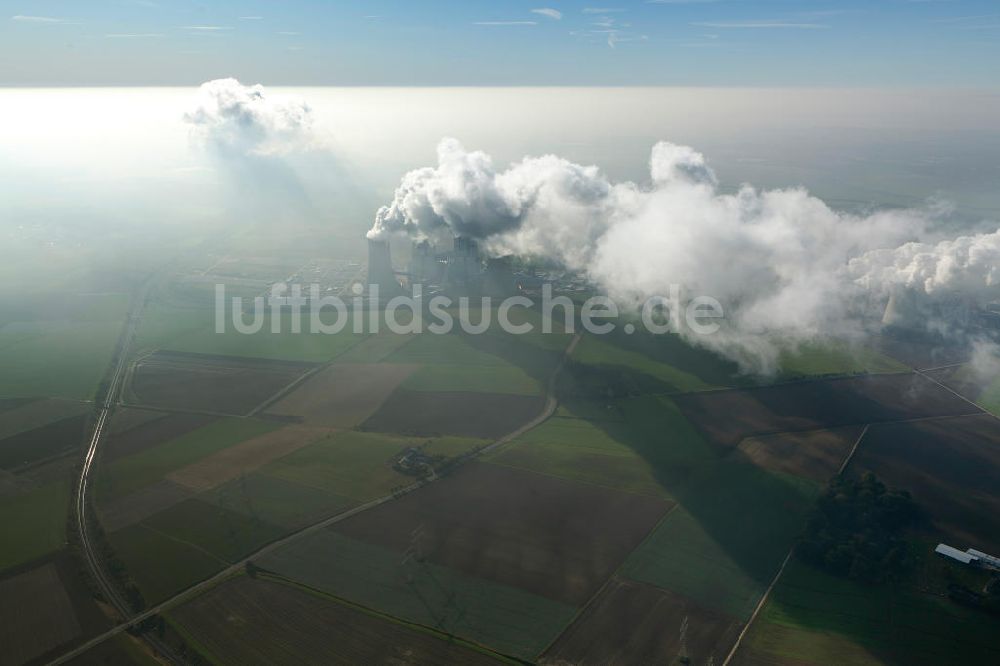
[505,23]
[207,28]
[553,14]
[37,19]
[758,25]
[602,10]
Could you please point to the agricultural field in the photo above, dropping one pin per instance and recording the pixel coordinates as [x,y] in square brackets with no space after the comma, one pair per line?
[812,405]
[60,352]
[151,429]
[952,468]
[550,537]
[831,358]
[426,414]
[639,445]
[46,608]
[724,542]
[632,623]
[34,522]
[506,619]
[341,395]
[474,379]
[811,454]
[36,615]
[22,415]
[126,474]
[976,385]
[359,465]
[205,383]
[42,443]
[814,619]
[251,621]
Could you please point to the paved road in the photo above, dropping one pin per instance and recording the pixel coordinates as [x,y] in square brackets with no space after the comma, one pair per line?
[551,402]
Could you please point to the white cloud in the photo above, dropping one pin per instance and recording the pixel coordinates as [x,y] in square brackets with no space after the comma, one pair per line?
[602,10]
[505,23]
[762,25]
[786,267]
[554,14]
[238,120]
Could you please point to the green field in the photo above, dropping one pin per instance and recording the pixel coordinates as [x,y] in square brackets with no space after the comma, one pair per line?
[358,465]
[128,474]
[815,618]
[478,379]
[38,413]
[506,619]
[161,566]
[34,523]
[193,330]
[834,358]
[601,351]
[226,534]
[645,446]
[725,542]
[276,501]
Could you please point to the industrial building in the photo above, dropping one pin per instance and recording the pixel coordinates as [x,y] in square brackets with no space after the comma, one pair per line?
[971,556]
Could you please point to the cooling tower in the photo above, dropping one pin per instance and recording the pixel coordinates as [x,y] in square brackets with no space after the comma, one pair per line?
[380,269]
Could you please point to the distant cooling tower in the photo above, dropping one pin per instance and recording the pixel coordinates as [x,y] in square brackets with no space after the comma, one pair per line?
[380,269]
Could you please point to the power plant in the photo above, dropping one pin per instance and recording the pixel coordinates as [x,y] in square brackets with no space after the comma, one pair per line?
[460,271]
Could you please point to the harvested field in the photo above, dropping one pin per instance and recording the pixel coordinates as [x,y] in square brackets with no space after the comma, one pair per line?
[149,434]
[554,538]
[243,458]
[247,621]
[48,441]
[209,383]
[126,418]
[341,395]
[374,348]
[484,415]
[814,405]
[812,454]
[632,623]
[952,468]
[161,565]
[36,615]
[142,504]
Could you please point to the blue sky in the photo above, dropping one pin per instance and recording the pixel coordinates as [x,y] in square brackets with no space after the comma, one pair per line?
[474,42]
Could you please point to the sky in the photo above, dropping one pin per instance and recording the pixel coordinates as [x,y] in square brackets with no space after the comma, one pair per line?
[901,43]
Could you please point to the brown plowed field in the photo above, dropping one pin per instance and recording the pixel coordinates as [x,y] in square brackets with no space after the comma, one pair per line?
[151,433]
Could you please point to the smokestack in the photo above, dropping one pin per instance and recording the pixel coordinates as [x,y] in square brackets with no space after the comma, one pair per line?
[380,268]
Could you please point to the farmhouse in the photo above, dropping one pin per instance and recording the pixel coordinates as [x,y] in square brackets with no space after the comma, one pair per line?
[970,556]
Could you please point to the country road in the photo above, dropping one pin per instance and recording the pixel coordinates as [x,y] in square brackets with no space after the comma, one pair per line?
[551,403]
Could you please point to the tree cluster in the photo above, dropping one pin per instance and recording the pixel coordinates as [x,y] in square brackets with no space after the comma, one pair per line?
[855,530]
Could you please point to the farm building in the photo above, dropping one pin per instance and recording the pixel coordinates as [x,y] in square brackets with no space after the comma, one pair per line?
[971,556]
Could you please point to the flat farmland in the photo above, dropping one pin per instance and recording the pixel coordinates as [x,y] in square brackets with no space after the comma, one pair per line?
[34,523]
[952,468]
[550,537]
[245,457]
[478,379]
[247,621]
[641,444]
[483,415]
[54,439]
[122,476]
[812,405]
[341,395]
[160,565]
[148,434]
[813,619]
[206,383]
[723,544]
[143,503]
[632,623]
[811,454]
[504,618]
[277,501]
[36,615]
[24,415]
[358,465]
